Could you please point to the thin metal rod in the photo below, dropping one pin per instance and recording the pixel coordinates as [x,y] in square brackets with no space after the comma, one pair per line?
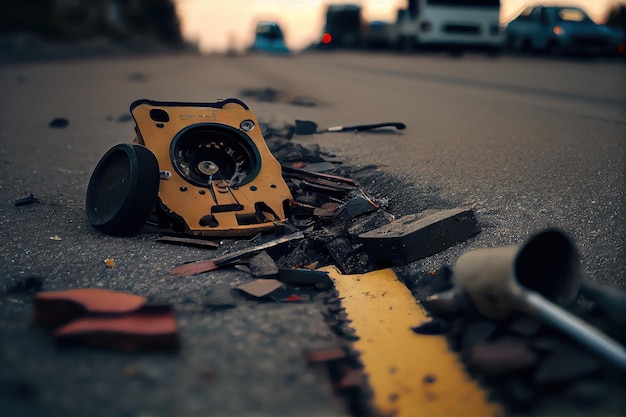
[581,331]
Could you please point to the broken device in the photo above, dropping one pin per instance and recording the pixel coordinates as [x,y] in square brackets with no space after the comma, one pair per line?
[214,174]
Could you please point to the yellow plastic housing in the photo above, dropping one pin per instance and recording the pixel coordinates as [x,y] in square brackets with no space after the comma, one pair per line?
[252,207]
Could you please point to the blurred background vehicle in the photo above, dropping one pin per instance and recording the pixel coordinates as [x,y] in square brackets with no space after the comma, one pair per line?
[269,37]
[377,35]
[616,20]
[449,24]
[343,28]
[560,30]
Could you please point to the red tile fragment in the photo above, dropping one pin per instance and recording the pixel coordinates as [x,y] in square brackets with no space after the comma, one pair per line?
[325,354]
[152,328]
[53,308]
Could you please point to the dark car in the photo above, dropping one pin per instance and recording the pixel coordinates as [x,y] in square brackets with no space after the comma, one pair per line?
[343,27]
[377,34]
[559,30]
[616,20]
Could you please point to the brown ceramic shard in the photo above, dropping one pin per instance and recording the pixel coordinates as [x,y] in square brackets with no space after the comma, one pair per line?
[53,308]
[260,287]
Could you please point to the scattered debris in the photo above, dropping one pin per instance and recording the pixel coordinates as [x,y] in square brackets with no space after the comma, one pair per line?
[59,123]
[276,291]
[55,237]
[527,366]
[546,267]
[306,127]
[303,101]
[191,241]
[25,285]
[325,354]
[106,319]
[305,277]
[53,308]
[266,94]
[19,390]
[220,297]
[416,237]
[110,263]
[284,131]
[611,301]
[272,95]
[356,206]
[450,302]
[151,328]
[316,166]
[137,77]
[564,366]
[346,372]
[434,326]
[340,183]
[263,266]
[323,204]
[351,258]
[199,267]
[260,288]
[327,212]
[501,356]
[26,200]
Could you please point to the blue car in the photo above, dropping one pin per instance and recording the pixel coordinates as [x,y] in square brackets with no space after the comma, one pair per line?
[560,30]
[268,37]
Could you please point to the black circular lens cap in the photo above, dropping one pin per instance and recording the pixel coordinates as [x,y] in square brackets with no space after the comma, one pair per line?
[123,189]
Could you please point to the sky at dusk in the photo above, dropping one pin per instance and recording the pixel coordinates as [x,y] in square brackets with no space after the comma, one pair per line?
[216,25]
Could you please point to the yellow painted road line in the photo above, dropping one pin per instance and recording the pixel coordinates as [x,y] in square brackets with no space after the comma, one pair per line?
[411,375]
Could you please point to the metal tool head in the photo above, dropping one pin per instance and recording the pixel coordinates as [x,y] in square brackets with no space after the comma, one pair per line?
[495,278]
[488,277]
[549,263]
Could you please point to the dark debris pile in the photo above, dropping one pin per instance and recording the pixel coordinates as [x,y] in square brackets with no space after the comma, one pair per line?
[528,367]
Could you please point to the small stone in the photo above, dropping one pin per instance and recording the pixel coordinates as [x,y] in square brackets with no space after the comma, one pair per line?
[263,266]
[220,296]
[59,123]
[25,285]
[501,356]
[356,206]
[479,331]
[19,390]
[26,200]
[518,394]
[431,327]
[525,326]
[585,392]
[565,365]
[547,343]
[325,354]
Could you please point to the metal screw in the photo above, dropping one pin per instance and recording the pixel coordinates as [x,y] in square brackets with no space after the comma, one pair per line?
[247,125]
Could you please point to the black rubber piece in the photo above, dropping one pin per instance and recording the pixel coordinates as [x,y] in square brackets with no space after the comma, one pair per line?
[123,190]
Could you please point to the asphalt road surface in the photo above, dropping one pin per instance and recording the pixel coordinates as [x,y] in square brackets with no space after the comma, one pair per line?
[527,143]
